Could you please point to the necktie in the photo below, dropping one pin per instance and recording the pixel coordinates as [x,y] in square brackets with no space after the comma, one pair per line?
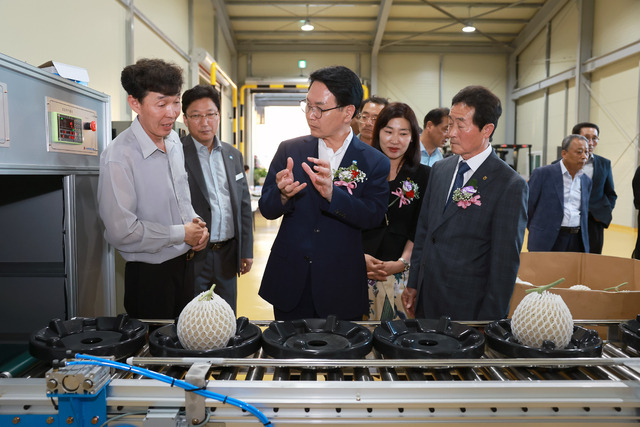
[457,183]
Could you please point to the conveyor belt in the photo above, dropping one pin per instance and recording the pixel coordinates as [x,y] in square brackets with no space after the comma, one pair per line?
[491,389]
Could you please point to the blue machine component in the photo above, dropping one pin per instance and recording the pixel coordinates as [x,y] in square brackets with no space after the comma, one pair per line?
[74,410]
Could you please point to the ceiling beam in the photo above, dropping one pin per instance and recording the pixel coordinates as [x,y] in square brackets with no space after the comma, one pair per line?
[532,5]
[537,24]
[371,19]
[448,47]
[387,34]
[225,25]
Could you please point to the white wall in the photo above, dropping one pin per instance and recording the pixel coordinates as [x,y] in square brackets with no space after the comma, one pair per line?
[614,92]
[97,39]
[97,42]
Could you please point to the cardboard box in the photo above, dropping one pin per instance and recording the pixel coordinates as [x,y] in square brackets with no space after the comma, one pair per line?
[595,271]
[70,72]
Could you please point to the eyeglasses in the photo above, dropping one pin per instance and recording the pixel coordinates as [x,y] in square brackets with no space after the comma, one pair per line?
[315,111]
[365,118]
[200,117]
[594,139]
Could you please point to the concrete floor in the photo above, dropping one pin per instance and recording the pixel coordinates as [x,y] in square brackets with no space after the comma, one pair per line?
[618,241]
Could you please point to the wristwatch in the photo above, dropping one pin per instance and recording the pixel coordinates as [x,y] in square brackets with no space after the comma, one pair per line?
[406,264]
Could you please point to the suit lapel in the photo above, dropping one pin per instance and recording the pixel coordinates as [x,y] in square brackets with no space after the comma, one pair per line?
[193,165]
[442,193]
[354,152]
[484,177]
[559,184]
[227,159]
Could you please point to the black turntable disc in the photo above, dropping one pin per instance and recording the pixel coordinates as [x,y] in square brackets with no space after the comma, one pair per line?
[317,338]
[584,343]
[99,336]
[164,342]
[630,332]
[428,339]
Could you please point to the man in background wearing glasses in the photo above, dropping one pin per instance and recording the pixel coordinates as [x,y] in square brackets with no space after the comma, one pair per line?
[369,110]
[220,195]
[327,187]
[603,195]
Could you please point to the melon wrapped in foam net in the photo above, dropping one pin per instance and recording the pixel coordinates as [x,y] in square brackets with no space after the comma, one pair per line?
[206,323]
[542,316]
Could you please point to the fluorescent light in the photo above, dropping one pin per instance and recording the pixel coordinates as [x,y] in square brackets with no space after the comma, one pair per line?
[307,26]
[468,28]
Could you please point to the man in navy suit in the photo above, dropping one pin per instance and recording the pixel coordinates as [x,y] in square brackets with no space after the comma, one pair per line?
[327,187]
[559,201]
[466,251]
[219,194]
[603,195]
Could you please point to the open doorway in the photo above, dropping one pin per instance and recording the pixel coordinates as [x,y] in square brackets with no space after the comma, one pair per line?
[275,117]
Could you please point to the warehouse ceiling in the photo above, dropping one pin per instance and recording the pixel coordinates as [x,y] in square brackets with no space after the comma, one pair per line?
[376,26]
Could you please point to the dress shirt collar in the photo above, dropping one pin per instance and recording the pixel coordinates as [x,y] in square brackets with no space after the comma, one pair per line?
[476,161]
[565,170]
[334,158]
[147,146]
[200,146]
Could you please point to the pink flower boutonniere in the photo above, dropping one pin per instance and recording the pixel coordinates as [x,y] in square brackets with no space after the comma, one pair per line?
[406,193]
[349,177]
[467,195]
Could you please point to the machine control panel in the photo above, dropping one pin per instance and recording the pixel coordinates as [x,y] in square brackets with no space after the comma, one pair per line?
[65,128]
[71,128]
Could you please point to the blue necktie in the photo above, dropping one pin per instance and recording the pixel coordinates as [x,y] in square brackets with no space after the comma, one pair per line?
[457,183]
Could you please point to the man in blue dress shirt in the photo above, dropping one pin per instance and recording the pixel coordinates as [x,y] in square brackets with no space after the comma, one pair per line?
[434,135]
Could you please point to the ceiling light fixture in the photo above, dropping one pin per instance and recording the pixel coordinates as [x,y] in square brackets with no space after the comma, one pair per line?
[306,26]
[468,28]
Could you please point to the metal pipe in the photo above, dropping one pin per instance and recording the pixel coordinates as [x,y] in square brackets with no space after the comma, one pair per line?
[227,374]
[308,375]
[362,374]
[281,374]
[388,374]
[335,375]
[415,374]
[390,363]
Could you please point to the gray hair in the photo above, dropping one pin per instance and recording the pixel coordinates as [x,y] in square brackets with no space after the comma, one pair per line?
[566,142]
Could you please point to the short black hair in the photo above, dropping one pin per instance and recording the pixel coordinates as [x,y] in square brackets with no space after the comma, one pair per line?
[374,100]
[576,129]
[488,108]
[198,92]
[435,116]
[343,83]
[151,75]
[394,110]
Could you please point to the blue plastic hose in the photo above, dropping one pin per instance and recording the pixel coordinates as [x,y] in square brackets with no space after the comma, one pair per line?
[93,360]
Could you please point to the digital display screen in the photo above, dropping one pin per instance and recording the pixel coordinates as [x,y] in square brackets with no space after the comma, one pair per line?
[67,129]
[66,123]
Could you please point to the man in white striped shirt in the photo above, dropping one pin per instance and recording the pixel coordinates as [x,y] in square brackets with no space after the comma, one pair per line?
[144,199]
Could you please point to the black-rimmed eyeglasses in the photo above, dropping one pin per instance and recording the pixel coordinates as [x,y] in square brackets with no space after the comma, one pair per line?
[200,117]
[315,111]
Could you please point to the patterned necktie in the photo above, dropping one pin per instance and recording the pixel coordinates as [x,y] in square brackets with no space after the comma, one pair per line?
[457,183]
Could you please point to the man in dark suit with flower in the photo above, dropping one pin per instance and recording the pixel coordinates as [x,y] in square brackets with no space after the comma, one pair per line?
[467,247]
[327,187]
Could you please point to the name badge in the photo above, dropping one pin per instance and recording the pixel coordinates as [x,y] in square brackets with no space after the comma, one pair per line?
[239,176]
